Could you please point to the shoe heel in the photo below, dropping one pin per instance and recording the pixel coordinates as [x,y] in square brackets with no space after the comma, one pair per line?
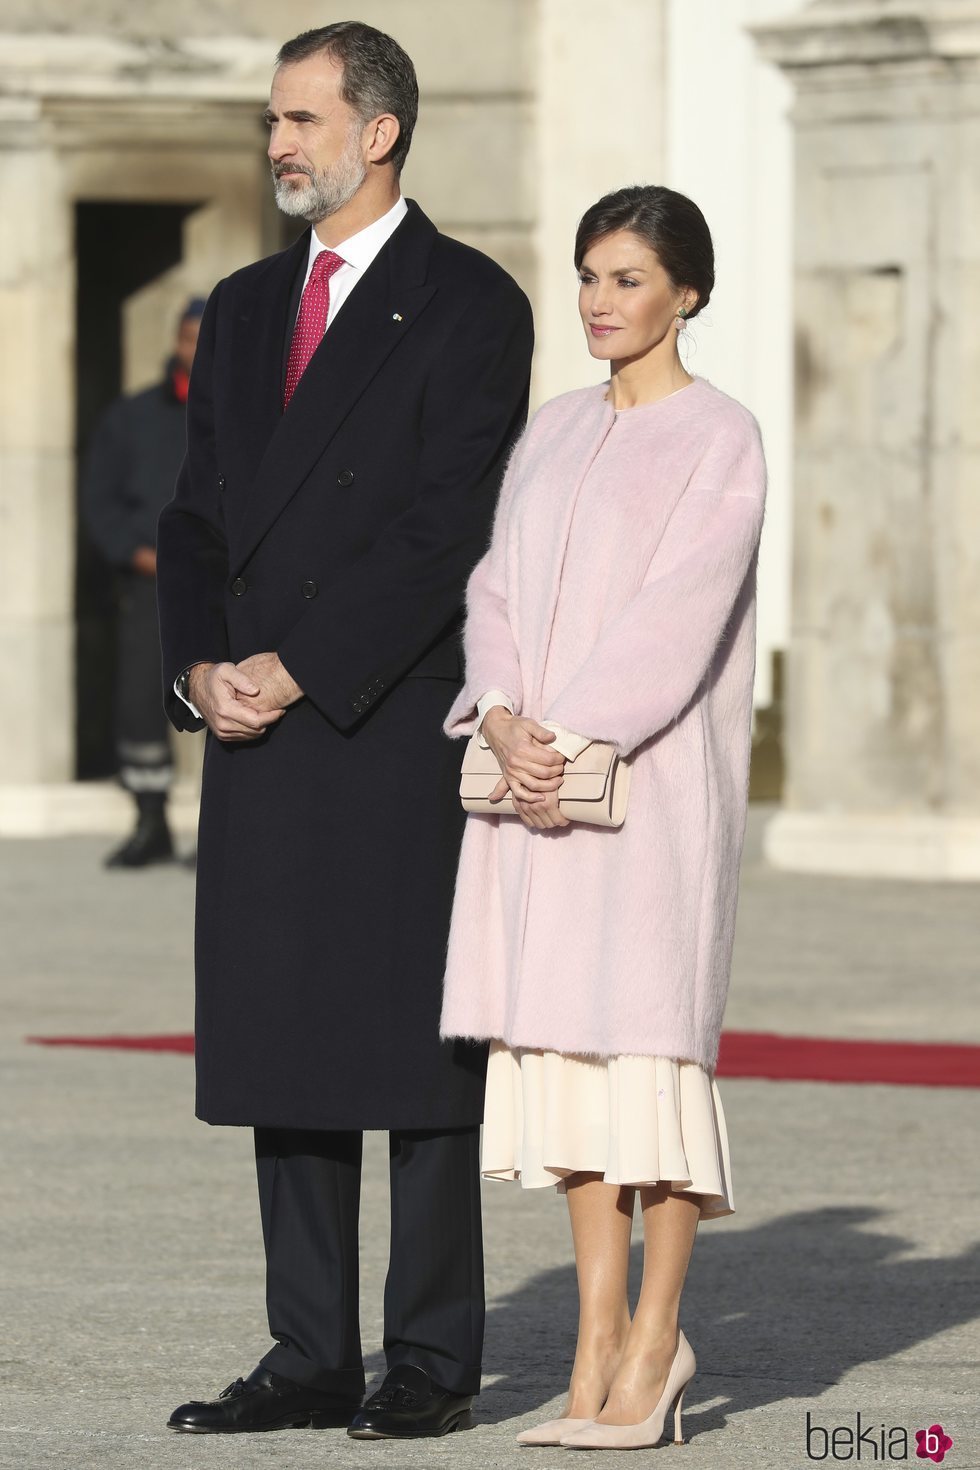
[678,1428]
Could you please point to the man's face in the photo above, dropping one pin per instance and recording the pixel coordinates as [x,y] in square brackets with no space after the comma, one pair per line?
[315,140]
[186,344]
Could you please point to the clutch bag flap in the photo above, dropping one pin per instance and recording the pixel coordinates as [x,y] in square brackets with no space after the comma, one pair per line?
[586,778]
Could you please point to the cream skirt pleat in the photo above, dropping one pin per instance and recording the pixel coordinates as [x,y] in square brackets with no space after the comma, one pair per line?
[634,1120]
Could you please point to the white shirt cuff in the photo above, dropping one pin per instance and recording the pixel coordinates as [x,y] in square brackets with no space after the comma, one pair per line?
[566,742]
[192,707]
[492,697]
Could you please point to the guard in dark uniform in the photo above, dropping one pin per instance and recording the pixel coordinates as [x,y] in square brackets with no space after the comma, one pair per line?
[132,464]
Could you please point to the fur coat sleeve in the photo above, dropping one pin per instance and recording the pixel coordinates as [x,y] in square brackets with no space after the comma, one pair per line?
[650,660]
[489,647]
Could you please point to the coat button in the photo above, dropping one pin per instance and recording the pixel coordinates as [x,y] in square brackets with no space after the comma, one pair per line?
[221,482]
[309,589]
[239,587]
[346,477]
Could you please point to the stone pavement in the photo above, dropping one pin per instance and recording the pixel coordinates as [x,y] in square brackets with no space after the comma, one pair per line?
[130,1255]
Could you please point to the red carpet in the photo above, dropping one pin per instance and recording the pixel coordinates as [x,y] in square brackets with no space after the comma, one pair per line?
[743,1054]
[183,1044]
[832,1059]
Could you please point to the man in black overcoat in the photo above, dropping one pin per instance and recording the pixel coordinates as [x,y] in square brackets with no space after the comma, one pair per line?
[348,426]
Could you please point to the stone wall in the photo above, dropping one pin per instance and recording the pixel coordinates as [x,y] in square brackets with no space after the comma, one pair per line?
[883,754]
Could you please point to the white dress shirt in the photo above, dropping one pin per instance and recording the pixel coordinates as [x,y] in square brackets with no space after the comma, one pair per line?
[357,253]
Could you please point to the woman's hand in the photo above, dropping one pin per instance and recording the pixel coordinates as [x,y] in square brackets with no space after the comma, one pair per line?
[531,770]
[541,814]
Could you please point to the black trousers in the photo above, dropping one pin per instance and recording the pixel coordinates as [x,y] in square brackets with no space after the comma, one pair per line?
[309,1193]
[142,740]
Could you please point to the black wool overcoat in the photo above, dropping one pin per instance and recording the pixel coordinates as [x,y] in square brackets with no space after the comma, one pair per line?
[339,534]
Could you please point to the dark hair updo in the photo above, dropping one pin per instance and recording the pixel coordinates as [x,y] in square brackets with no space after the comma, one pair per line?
[670,223]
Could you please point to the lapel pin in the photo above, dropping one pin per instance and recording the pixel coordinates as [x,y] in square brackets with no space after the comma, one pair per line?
[396,316]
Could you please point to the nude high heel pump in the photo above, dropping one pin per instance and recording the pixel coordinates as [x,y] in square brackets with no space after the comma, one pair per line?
[593,1436]
[550,1432]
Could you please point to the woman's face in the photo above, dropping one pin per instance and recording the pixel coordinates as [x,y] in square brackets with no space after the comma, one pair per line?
[626,299]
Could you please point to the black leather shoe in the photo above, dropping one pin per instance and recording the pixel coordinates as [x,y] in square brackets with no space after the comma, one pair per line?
[150,843]
[263,1400]
[408,1405]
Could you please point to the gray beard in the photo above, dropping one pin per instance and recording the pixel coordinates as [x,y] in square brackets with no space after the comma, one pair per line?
[324,193]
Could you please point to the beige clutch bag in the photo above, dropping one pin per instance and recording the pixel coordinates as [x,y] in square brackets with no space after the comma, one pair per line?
[595,789]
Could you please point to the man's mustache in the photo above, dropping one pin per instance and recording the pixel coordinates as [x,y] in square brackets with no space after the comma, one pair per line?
[278,169]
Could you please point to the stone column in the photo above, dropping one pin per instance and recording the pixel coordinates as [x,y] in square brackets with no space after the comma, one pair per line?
[883,737]
[36,454]
[599,124]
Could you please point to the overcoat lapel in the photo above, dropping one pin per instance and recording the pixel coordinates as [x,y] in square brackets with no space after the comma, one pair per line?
[375,319]
[257,352]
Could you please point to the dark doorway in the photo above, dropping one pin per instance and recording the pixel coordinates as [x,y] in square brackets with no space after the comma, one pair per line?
[119,248]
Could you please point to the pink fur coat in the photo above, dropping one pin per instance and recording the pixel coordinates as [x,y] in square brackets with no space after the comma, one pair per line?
[618,599]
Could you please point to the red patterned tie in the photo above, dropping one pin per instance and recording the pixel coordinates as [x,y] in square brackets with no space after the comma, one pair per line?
[312,320]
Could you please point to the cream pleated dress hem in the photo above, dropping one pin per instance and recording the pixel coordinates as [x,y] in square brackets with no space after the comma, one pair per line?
[634,1120]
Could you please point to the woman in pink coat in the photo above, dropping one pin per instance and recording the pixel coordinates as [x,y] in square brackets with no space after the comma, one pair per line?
[616,603]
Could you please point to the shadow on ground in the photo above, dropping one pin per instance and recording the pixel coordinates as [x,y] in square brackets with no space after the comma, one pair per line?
[788,1308]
